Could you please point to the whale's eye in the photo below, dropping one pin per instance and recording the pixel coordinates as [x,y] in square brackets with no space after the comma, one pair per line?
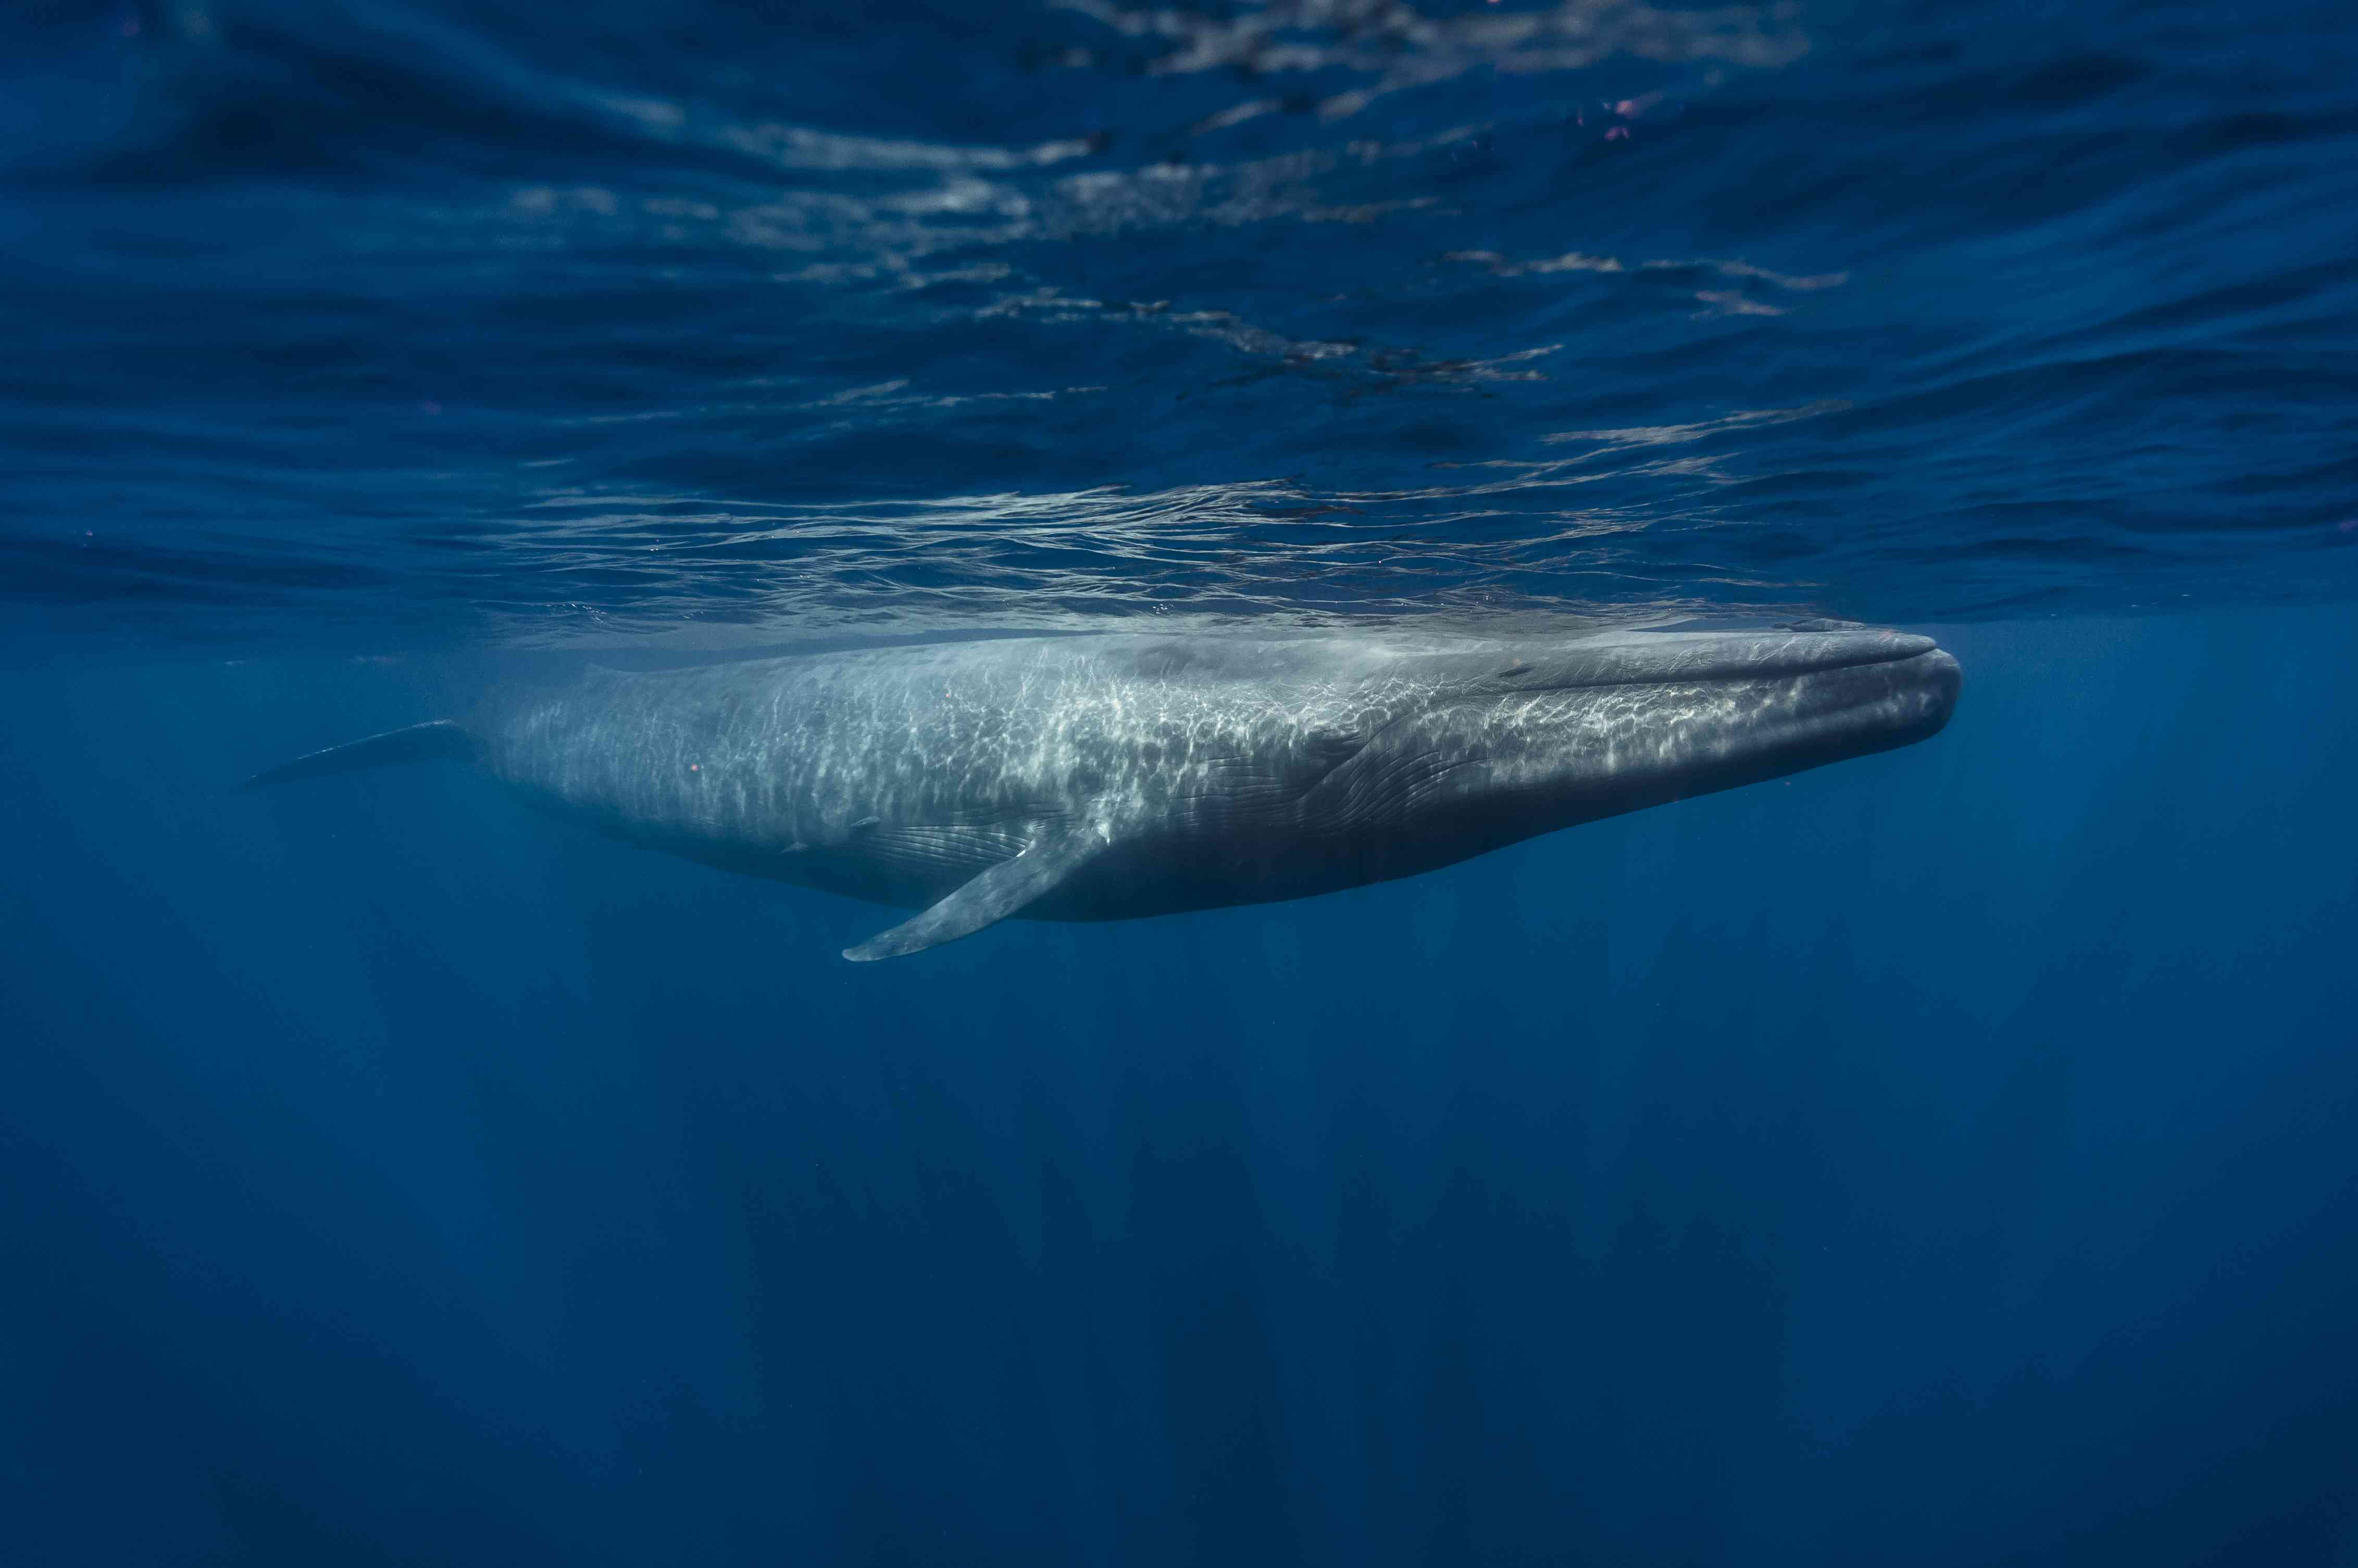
[1332,745]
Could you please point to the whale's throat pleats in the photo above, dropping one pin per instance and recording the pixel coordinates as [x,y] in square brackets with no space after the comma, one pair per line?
[1052,858]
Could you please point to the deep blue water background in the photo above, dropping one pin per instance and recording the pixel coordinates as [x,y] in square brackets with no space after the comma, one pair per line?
[1950,1156]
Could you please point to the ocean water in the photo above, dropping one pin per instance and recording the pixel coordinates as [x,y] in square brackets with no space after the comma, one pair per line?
[1949,1156]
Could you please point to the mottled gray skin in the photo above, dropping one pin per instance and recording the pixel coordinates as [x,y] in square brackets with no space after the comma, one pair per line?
[1214,771]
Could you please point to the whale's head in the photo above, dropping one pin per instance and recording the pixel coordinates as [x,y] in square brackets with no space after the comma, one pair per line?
[1526,736]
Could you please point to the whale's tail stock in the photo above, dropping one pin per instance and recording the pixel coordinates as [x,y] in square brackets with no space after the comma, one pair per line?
[426,742]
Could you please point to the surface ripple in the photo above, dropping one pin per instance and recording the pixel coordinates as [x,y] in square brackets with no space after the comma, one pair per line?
[422,321]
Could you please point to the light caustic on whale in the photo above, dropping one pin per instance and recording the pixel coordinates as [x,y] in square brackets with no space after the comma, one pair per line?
[1106,778]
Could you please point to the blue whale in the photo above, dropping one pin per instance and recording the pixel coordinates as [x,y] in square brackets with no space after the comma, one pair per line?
[1108,777]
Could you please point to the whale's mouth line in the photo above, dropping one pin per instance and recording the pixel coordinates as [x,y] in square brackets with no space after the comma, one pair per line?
[1898,650]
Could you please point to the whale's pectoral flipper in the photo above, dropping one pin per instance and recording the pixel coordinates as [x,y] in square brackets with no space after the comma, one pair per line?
[419,743]
[994,895]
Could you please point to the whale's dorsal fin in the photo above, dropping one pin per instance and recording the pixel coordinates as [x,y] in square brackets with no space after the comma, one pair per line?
[994,895]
